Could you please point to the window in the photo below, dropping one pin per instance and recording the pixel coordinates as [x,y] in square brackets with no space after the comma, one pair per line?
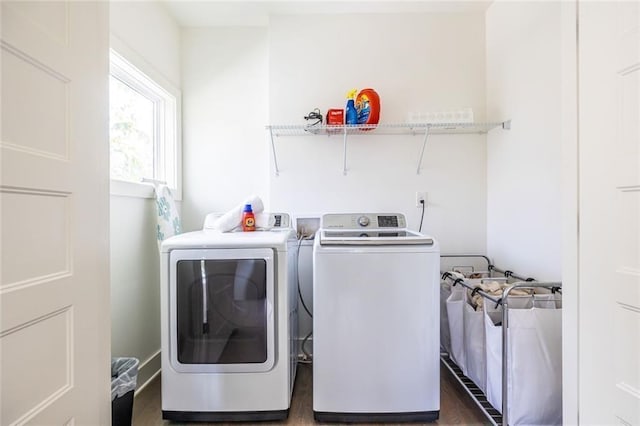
[143,126]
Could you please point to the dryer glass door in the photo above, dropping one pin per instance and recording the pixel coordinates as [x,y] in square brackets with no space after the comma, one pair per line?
[222,310]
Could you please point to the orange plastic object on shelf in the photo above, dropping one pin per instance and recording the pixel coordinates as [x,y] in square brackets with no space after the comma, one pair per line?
[368,107]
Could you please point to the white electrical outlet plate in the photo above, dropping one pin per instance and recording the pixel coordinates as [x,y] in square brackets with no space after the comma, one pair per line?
[421,196]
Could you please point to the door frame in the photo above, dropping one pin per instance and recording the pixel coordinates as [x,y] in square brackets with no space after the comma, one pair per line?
[570,213]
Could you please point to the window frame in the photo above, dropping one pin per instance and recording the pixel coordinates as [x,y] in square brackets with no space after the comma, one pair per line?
[131,69]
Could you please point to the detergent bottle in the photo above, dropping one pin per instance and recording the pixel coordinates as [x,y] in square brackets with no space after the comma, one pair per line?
[248,219]
[351,114]
[368,107]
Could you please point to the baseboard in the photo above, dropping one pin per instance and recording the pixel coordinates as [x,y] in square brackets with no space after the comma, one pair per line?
[147,371]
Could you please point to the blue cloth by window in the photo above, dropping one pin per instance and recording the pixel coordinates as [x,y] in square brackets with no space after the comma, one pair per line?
[168,218]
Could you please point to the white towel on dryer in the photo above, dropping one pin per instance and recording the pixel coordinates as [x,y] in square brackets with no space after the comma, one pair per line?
[233,218]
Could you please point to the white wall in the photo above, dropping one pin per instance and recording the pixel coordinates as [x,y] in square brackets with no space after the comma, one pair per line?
[524,187]
[135,283]
[148,29]
[225,105]
[150,39]
[416,63]
[237,80]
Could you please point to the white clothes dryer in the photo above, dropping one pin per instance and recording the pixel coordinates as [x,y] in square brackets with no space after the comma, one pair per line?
[229,324]
[376,321]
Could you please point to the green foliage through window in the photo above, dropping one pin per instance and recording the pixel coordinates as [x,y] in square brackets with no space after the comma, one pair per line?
[131,132]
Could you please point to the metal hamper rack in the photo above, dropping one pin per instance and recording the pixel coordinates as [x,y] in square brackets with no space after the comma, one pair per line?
[471,388]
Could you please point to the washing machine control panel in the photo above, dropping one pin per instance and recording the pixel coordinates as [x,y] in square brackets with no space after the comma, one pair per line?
[363,220]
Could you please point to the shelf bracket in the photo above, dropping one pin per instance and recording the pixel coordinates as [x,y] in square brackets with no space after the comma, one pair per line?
[273,151]
[424,144]
[344,153]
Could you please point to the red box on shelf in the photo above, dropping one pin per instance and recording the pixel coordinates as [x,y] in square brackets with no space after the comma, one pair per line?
[335,117]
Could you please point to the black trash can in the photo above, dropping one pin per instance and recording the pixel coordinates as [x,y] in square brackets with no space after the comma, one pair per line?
[124,374]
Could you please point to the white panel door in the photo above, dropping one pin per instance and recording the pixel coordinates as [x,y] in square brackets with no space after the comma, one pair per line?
[626,274]
[609,145]
[54,189]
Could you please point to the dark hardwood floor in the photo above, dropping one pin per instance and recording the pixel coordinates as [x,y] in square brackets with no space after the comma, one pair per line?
[456,407]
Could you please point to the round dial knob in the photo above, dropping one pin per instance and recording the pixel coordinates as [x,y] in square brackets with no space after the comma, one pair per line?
[363,221]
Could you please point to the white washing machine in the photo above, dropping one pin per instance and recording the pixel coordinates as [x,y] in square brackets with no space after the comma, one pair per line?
[376,321]
[229,322]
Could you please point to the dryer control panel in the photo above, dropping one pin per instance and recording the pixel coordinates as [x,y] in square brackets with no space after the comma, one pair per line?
[363,220]
[265,221]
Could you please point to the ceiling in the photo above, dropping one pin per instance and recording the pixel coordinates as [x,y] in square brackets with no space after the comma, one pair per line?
[214,13]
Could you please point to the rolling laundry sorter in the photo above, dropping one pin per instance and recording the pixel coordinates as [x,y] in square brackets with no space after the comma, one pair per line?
[504,344]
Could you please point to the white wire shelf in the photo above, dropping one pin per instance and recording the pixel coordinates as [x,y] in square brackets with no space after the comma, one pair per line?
[423,129]
[386,129]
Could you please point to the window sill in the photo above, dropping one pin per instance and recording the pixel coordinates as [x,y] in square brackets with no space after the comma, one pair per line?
[123,188]
[131,189]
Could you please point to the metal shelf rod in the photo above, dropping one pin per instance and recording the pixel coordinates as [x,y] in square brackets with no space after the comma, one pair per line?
[273,151]
[424,144]
[344,153]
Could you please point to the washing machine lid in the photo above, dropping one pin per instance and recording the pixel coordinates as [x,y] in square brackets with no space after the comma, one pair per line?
[373,237]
